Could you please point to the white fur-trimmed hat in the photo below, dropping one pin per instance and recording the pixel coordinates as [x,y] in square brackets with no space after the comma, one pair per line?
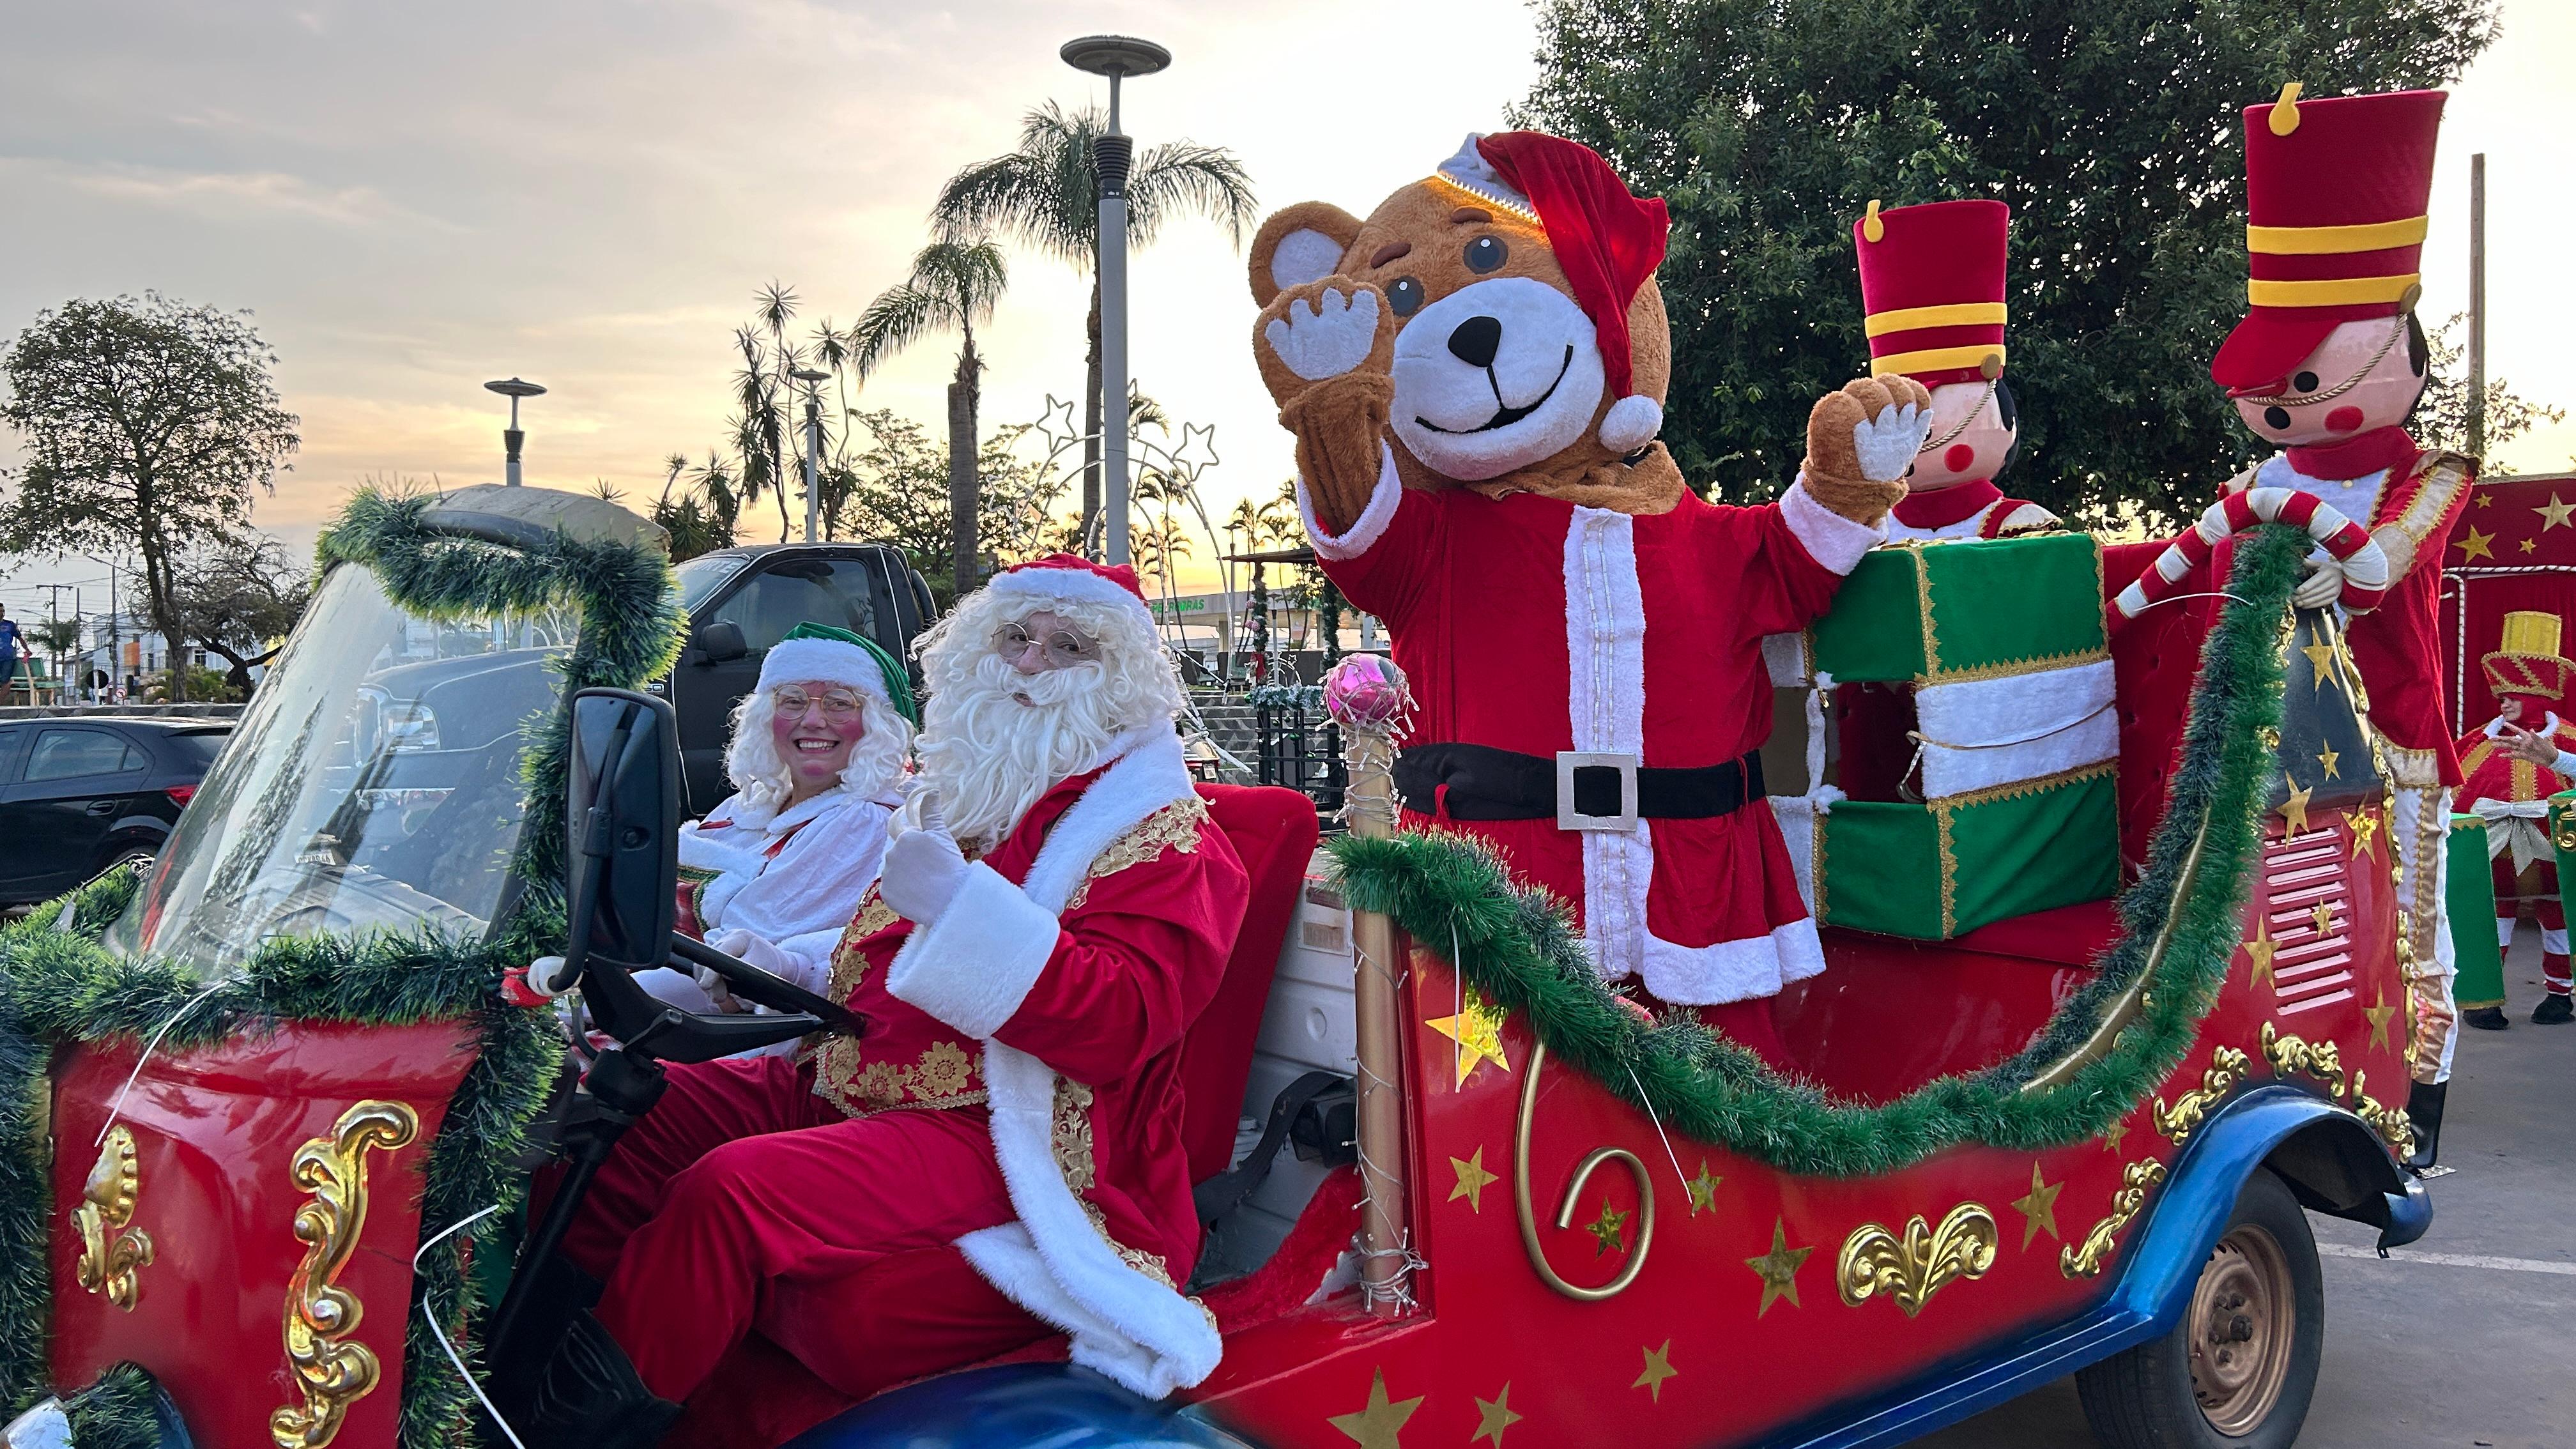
[837,656]
[1070,578]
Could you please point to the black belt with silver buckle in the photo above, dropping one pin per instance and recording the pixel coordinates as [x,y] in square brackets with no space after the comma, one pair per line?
[1608,791]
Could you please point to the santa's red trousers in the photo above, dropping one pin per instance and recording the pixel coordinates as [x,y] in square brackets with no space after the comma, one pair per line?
[744,1202]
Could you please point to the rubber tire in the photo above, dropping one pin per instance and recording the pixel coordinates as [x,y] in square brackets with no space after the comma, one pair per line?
[2142,1398]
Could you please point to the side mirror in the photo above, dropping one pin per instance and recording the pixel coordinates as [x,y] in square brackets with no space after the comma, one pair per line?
[719,642]
[622,816]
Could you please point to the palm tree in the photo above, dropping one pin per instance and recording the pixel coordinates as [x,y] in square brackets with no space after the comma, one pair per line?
[953,284]
[1046,193]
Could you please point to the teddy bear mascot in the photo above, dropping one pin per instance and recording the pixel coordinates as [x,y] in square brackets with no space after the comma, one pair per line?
[1932,300]
[2512,765]
[1475,376]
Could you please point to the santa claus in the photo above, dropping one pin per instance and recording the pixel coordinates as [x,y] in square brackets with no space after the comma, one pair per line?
[1002,1143]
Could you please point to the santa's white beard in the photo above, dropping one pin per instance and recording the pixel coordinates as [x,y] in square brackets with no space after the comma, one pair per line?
[990,756]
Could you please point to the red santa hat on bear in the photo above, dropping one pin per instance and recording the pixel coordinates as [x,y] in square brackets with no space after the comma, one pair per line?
[1607,239]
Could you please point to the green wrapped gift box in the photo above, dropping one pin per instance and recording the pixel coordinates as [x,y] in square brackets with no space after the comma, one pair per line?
[2469,897]
[1945,612]
[1947,866]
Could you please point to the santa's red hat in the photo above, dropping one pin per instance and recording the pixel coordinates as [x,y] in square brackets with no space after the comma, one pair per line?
[1607,239]
[1064,578]
[1932,289]
[2335,196]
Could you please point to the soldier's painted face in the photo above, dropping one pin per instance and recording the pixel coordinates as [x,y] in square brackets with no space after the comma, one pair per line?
[2365,375]
[1969,438]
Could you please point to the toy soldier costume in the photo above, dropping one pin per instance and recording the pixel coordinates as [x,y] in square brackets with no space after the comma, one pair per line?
[2529,677]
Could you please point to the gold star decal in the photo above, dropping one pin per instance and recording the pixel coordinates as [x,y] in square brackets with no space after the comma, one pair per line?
[2039,1208]
[1492,1418]
[2115,1134]
[2554,514]
[1606,1229]
[2327,757]
[2322,917]
[2378,1017]
[2476,544]
[2483,499]
[1703,1189]
[1659,1367]
[1473,1179]
[2259,951]
[2365,833]
[1478,1031]
[1778,1269]
[2528,545]
[1378,1424]
[2321,661]
[2295,809]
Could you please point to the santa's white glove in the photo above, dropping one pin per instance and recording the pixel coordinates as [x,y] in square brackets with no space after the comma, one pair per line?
[2322,586]
[547,977]
[753,950]
[923,868]
[1887,443]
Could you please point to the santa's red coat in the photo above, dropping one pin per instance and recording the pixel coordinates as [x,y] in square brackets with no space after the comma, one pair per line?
[1530,624]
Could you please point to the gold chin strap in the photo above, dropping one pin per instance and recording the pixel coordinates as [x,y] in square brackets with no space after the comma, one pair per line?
[2345,386]
[1952,436]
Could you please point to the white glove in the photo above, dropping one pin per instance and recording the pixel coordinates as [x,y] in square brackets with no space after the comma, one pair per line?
[2322,586]
[923,868]
[743,946]
[546,976]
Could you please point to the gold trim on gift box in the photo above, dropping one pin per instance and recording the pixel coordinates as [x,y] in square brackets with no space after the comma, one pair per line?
[331,1368]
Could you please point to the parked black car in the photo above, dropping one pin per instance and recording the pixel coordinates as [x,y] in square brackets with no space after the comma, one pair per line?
[80,794]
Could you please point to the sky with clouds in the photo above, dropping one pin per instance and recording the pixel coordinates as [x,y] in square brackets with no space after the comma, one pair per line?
[413,199]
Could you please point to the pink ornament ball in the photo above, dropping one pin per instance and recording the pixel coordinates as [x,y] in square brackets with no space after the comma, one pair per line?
[1365,692]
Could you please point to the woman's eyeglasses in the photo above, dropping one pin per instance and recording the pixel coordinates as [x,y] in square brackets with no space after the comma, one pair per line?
[1064,647]
[838,704]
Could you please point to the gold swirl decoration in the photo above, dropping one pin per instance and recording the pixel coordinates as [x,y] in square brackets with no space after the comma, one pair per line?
[2391,1123]
[2087,1258]
[2290,1055]
[2562,820]
[331,1368]
[2226,1068]
[112,1256]
[1636,1263]
[1926,1260]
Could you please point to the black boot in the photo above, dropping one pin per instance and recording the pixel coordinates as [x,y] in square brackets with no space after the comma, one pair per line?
[2485,1018]
[2554,1009]
[589,1396]
[2424,1111]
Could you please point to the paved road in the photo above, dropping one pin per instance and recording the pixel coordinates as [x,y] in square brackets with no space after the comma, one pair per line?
[2432,1354]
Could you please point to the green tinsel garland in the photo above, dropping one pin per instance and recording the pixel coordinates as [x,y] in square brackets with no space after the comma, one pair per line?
[58,987]
[120,1411]
[1518,947]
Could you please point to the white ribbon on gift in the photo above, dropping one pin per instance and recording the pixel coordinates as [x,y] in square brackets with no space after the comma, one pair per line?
[2516,825]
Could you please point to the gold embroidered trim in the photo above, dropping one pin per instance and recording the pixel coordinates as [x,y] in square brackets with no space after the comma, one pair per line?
[944,1075]
[1072,1134]
[2013,789]
[1174,827]
[2016,668]
[2412,769]
[2444,474]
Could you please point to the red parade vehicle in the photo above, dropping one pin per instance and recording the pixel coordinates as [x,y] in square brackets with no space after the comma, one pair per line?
[271,1117]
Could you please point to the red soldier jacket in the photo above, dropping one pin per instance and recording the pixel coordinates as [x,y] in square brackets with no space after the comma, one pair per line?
[2513,795]
[1052,995]
[1976,509]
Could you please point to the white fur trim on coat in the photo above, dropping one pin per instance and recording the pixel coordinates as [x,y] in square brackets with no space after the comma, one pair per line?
[1065,585]
[1830,539]
[991,924]
[1738,970]
[792,661]
[1364,532]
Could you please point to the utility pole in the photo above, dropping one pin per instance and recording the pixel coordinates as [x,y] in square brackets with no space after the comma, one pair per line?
[513,388]
[1117,57]
[2478,308]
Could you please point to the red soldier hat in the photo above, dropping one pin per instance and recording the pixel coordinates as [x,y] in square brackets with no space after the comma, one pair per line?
[2335,194]
[1932,289]
[2526,660]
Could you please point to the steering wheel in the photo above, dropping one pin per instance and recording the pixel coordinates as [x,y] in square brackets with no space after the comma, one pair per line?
[765,989]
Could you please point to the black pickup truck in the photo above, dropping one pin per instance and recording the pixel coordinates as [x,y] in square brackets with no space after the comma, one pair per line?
[742,600]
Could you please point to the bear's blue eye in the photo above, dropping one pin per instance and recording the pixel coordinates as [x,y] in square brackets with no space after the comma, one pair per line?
[1404,294]
[1485,253]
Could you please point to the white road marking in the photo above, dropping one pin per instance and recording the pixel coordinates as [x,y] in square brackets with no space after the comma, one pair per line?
[2453,1260]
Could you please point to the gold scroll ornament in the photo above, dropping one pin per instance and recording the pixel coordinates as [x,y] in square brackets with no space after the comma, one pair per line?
[1521,1204]
[332,1369]
[1926,1260]
[2226,1068]
[112,1256]
[2086,1259]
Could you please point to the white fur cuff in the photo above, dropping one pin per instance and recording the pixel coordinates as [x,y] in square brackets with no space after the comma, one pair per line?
[1831,539]
[1384,499]
[973,966]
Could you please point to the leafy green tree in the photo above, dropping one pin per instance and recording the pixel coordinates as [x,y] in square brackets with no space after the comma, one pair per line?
[239,600]
[146,425]
[898,494]
[1046,194]
[2110,127]
[2442,418]
[954,284]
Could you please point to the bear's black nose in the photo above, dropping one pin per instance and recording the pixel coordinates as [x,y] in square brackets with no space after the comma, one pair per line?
[1476,341]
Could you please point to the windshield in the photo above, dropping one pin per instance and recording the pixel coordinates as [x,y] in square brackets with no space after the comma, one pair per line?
[373,781]
[700,577]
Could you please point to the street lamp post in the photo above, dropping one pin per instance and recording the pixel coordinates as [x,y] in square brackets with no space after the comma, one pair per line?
[813,381]
[513,388]
[1117,57]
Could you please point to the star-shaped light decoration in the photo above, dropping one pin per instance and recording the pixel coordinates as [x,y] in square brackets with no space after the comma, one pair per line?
[2554,514]
[1379,1424]
[2115,1134]
[2295,809]
[2039,1207]
[2365,832]
[1493,1417]
[2260,951]
[1478,1031]
[2477,544]
[2321,661]
[1659,1367]
[1473,1179]
[2323,917]
[1778,1269]
[1703,1189]
[1607,1230]
[2379,1016]
[1197,452]
[2328,758]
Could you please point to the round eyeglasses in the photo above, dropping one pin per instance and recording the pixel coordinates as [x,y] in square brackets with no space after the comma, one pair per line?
[1064,648]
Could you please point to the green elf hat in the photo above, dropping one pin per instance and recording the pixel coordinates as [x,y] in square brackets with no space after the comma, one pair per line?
[837,656]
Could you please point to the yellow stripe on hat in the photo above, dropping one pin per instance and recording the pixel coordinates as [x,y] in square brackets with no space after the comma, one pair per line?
[2319,241]
[1953,314]
[2331,291]
[1937,359]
